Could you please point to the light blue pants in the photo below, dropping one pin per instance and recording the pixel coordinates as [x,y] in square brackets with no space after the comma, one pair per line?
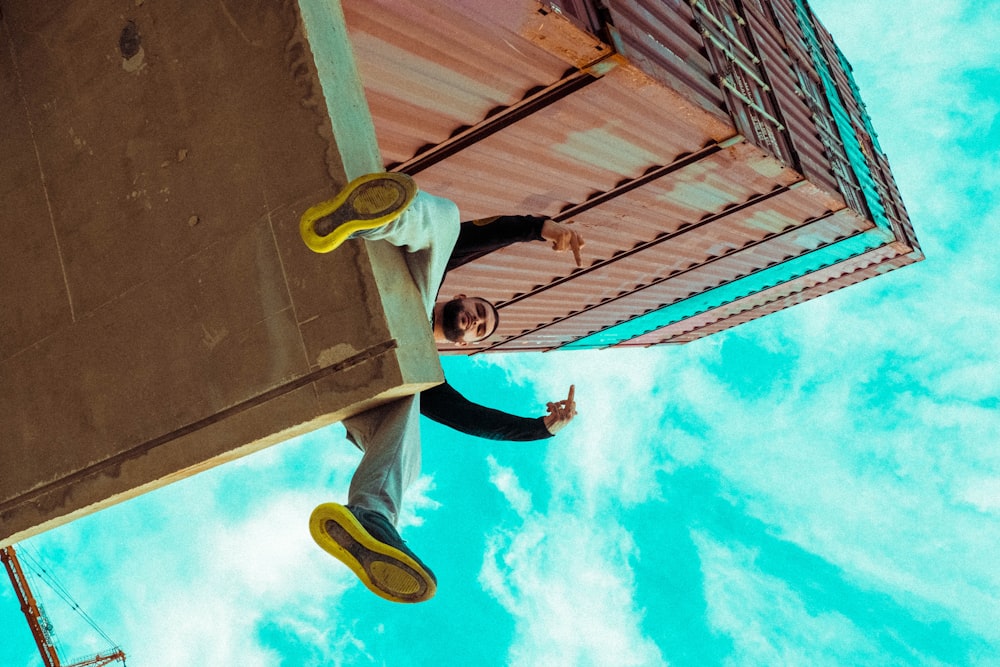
[389,435]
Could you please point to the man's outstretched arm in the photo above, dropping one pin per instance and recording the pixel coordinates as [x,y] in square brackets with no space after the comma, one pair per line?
[481,237]
[445,405]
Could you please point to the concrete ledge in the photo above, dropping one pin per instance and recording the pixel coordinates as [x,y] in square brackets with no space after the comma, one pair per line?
[160,314]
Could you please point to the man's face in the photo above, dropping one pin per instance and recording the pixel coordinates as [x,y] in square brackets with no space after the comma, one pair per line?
[467,320]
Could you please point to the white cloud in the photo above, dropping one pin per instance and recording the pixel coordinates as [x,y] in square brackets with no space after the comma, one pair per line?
[417,501]
[983,494]
[570,603]
[218,584]
[197,572]
[769,623]
[870,483]
[506,482]
[878,455]
[612,451]
[875,455]
[567,582]
[927,46]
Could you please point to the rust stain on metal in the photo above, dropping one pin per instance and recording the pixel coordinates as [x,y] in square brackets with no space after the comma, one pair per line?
[555,34]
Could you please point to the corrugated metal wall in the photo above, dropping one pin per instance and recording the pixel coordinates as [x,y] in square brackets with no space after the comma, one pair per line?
[715,154]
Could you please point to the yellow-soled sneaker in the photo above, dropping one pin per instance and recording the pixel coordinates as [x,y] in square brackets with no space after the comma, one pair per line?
[367,202]
[367,543]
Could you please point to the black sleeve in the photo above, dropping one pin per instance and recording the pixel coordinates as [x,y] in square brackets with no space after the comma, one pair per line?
[481,237]
[446,406]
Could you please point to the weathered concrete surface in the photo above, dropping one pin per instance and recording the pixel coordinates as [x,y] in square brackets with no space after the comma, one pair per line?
[158,312]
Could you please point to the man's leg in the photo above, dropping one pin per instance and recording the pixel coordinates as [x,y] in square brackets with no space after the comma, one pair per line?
[389,436]
[388,207]
[367,202]
[362,534]
[427,231]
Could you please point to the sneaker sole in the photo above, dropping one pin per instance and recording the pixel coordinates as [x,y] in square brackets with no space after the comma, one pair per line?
[367,202]
[385,570]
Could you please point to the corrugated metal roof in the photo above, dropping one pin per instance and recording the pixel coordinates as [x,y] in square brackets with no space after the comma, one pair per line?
[805,288]
[725,292]
[690,227]
[577,146]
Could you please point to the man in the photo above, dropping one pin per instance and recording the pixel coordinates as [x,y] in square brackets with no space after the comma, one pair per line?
[388,207]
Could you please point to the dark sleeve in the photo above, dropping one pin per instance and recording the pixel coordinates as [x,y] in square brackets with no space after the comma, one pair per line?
[481,237]
[446,406]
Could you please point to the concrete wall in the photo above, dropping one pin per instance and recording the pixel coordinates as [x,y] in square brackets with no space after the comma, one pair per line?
[158,311]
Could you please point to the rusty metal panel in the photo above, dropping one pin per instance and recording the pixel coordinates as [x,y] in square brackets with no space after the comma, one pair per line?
[660,39]
[875,160]
[847,137]
[739,72]
[790,65]
[770,300]
[632,225]
[679,199]
[675,272]
[583,144]
[806,144]
[432,67]
[782,13]
[662,272]
[698,151]
[820,283]
[657,317]
[896,210]
[583,13]
[738,64]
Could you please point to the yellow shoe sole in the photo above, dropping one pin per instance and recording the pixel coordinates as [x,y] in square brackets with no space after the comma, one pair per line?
[385,570]
[367,202]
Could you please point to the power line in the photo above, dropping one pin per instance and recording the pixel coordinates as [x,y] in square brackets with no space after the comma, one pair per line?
[38,566]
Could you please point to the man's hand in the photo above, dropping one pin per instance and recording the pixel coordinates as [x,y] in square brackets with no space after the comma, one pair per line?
[561,412]
[562,237]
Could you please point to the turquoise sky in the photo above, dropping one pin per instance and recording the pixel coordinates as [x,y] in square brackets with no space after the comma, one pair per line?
[819,487]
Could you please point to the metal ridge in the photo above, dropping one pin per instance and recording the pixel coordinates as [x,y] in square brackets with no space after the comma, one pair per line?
[752,201]
[575,344]
[627,186]
[676,274]
[494,122]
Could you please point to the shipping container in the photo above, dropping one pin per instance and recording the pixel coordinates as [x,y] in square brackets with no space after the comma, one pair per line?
[716,155]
